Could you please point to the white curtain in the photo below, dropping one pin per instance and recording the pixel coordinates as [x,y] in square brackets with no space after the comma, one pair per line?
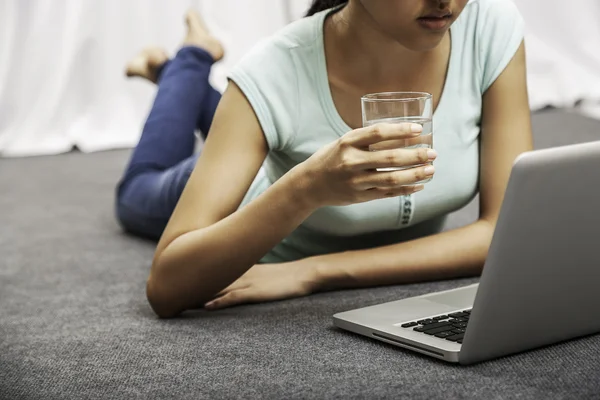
[61,61]
[563,52]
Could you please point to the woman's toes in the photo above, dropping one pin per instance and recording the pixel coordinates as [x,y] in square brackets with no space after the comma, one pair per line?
[146,63]
[198,35]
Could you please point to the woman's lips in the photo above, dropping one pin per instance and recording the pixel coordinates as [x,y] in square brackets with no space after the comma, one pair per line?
[435,23]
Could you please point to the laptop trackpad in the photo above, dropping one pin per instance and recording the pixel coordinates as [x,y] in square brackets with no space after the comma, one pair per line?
[459,298]
[424,306]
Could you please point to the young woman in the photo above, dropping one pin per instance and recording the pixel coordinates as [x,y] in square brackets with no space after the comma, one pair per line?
[286,199]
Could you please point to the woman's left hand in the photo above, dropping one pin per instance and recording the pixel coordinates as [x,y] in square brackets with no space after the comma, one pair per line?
[267,282]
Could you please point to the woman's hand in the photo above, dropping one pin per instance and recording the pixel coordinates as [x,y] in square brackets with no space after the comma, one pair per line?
[267,282]
[345,171]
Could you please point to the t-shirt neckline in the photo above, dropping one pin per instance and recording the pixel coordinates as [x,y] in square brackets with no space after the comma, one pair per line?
[324,89]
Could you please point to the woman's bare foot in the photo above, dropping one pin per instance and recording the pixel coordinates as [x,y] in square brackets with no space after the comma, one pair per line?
[198,35]
[146,63]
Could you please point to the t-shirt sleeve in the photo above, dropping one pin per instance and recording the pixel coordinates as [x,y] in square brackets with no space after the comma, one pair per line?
[500,31]
[267,77]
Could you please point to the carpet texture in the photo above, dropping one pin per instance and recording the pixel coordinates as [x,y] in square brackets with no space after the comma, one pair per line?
[74,322]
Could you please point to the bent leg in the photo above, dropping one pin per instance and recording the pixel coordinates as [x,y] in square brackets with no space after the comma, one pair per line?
[164,158]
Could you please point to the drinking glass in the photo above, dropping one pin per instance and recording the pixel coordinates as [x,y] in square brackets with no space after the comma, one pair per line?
[400,107]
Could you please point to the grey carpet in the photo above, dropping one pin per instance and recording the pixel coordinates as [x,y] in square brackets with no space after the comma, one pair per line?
[74,322]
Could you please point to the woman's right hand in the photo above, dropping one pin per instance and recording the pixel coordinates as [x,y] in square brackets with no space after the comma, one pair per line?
[345,171]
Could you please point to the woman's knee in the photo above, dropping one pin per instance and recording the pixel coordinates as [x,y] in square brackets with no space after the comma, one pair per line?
[133,214]
[138,224]
[145,199]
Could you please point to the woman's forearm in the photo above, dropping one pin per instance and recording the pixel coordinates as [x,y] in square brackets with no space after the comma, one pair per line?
[456,253]
[198,264]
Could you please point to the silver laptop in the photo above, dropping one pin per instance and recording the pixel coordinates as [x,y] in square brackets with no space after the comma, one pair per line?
[541,280]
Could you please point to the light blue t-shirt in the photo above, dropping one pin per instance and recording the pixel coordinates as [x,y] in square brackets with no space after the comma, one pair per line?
[285,80]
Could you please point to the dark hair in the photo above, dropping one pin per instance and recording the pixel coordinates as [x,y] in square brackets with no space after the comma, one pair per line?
[321,5]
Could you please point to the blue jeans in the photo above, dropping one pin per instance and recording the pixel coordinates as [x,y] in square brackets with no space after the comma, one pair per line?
[164,157]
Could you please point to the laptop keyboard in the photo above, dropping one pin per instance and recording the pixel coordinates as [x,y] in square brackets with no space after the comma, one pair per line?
[449,326]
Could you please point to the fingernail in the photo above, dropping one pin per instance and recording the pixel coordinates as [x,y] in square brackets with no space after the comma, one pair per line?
[429,170]
[432,154]
[416,128]
[418,188]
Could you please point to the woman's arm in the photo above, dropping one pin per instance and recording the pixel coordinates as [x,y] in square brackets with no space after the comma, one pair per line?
[506,132]
[205,245]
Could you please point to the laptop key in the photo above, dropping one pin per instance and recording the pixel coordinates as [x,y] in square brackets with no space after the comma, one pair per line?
[419,329]
[438,325]
[457,314]
[441,329]
[459,341]
[440,317]
[444,334]
[460,325]
[409,325]
[457,331]
[456,337]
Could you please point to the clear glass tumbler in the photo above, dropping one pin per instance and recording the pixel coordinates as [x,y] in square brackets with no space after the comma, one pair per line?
[400,107]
